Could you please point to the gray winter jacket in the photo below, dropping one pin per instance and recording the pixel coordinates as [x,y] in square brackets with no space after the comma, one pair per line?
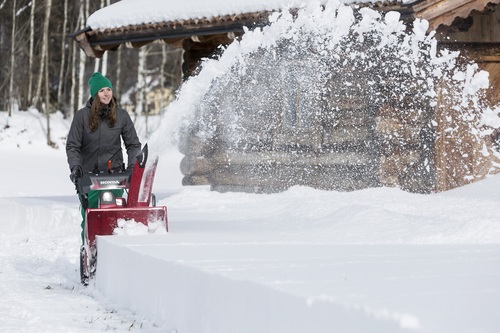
[86,148]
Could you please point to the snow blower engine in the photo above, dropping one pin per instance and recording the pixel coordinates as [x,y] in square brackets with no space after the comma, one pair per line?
[139,206]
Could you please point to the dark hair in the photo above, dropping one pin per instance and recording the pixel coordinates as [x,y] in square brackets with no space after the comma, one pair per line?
[95,113]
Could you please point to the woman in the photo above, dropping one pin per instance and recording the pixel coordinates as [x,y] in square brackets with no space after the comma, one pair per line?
[96,132]
[95,137]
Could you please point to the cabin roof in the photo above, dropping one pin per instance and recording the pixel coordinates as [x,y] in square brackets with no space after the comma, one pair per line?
[138,23]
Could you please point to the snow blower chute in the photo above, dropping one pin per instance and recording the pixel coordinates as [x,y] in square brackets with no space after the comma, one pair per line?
[139,205]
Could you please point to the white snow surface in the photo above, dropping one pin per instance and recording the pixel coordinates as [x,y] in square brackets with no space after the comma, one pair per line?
[376,260]
[133,12]
[304,260]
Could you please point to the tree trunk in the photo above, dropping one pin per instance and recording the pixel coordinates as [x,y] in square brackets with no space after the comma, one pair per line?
[31,53]
[141,80]
[97,64]
[45,56]
[104,61]
[81,63]
[117,91]
[12,60]
[72,98]
[164,60]
[63,55]
[104,64]
[38,90]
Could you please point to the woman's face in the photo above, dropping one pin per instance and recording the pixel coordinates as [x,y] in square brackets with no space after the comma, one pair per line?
[105,95]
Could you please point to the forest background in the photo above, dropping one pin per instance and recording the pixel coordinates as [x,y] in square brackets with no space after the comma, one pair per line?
[43,68]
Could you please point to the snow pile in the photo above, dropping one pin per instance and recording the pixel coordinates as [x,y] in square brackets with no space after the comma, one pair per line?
[131,227]
[28,130]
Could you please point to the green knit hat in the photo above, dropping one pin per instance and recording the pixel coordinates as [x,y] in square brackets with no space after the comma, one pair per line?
[96,82]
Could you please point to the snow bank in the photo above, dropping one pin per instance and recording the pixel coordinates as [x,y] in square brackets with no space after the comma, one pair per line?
[25,217]
[262,286]
[184,298]
[377,260]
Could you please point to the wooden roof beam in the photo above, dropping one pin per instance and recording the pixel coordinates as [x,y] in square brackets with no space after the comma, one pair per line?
[444,12]
[83,41]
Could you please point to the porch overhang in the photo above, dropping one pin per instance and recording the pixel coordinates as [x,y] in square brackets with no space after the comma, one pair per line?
[222,29]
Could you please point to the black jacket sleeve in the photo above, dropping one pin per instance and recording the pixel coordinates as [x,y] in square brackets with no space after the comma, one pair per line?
[131,140]
[74,141]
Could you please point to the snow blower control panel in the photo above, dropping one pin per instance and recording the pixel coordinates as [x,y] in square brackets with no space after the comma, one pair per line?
[103,181]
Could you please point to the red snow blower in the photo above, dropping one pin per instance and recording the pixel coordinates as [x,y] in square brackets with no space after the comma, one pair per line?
[139,206]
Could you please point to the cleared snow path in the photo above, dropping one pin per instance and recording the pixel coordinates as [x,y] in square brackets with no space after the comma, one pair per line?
[39,278]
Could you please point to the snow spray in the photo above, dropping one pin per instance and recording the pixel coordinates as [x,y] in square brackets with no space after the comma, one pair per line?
[316,58]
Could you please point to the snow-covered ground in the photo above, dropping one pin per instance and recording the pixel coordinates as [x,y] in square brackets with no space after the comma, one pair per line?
[377,260]
[39,236]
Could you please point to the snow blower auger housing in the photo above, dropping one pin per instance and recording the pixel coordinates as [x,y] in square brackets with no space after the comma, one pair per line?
[139,205]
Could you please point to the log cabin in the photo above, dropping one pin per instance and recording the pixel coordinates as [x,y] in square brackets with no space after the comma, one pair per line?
[352,149]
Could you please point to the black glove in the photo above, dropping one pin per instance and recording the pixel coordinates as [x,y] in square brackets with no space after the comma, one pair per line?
[76,174]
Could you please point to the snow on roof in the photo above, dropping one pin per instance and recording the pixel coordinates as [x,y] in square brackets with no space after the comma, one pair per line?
[133,12]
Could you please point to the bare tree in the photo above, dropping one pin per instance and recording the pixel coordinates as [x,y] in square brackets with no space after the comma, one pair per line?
[24,59]
[81,64]
[141,80]
[75,95]
[72,95]
[97,64]
[44,56]
[12,60]
[104,67]
[118,72]
[45,66]
[164,59]
[31,50]
[63,52]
